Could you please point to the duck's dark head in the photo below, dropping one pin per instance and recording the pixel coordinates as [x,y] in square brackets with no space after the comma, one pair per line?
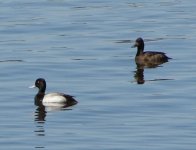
[139,43]
[40,83]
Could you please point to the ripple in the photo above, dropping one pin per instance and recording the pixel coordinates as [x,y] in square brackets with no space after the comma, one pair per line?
[11,60]
[124,41]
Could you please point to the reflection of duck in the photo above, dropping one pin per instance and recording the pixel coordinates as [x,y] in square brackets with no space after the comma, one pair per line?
[51,99]
[39,131]
[40,114]
[139,75]
[148,59]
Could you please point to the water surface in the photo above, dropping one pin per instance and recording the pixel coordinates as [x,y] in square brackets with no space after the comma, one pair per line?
[83,48]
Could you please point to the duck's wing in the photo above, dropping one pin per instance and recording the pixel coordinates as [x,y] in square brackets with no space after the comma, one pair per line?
[155,56]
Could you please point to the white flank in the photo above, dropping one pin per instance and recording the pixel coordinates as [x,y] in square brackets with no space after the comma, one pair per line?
[54,98]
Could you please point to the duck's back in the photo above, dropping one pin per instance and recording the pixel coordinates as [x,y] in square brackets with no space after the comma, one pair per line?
[151,56]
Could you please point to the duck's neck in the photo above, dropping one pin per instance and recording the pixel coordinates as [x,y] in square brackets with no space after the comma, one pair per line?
[140,51]
[38,99]
[39,96]
[42,90]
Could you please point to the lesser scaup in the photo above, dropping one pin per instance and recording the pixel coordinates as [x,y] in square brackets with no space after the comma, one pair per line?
[148,58]
[53,99]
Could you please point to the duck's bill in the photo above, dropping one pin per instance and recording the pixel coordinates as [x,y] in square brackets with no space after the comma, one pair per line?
[31,87]
[135,45]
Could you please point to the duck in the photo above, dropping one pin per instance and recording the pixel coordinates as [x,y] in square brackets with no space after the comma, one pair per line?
[51,99]
[148,58]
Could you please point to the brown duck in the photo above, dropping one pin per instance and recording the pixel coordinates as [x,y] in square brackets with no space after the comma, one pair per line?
[148,58]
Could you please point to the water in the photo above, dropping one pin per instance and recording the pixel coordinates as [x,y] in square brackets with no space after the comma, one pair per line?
[83,48]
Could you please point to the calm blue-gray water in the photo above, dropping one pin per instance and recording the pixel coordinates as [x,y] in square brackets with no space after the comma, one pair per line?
[83,48]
